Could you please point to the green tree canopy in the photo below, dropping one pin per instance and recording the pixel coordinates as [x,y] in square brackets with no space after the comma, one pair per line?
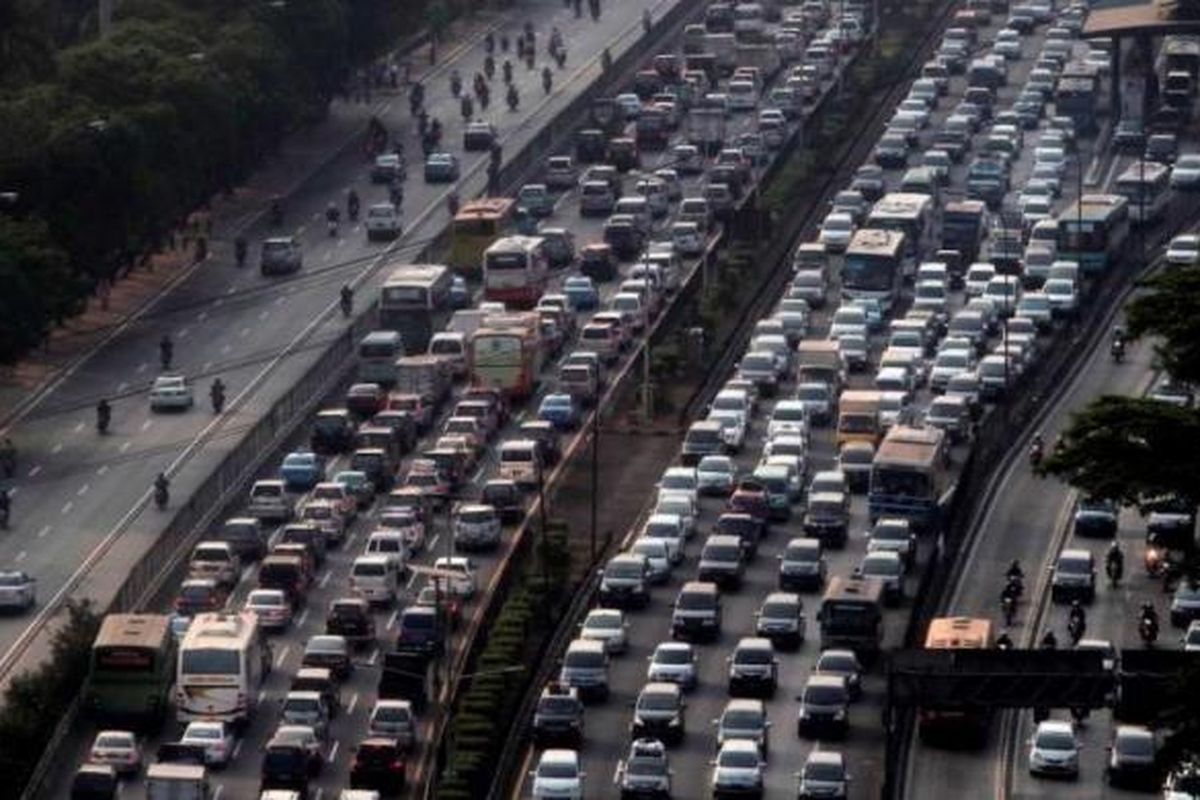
[1171,312]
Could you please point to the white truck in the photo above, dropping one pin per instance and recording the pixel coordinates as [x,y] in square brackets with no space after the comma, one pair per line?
[706,129]
[176,782]
[724,47]
[423,375]
[763,56]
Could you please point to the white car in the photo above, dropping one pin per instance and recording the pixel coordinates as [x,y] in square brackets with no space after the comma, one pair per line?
[18,590]
[629,104]
[1185,174]
[558,774]
[716,474]
[836,231]
[673,662]
[170,391]
[271,606]
[1064,299]
[383,221]
[118,749]
[214,736]
[789,417]
[738,769]
[733,427]
[1184,250]
[1191,639]
[606,625]
[1054,750]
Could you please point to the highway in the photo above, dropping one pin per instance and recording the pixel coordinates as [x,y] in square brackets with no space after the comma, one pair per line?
[75,491]
[358,693]
[607,736]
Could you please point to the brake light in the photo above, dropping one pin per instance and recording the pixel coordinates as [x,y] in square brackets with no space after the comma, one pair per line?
[397,766]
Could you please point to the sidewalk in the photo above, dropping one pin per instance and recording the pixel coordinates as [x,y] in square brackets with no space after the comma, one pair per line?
[299,157]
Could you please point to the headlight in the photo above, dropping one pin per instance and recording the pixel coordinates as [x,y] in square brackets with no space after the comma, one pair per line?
[840,714]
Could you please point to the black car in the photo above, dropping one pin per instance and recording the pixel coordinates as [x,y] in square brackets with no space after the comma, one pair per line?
[286,767]
[558,717]
[379,765]
[95,782]
[747,527]
[658,713]
[333,432]
[1096,517]
[507,498]
[350,617]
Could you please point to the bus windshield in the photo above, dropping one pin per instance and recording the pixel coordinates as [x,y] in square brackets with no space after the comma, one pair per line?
[208,661]
[868,272]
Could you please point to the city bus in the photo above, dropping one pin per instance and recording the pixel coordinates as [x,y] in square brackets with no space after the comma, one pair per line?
[874,266]
[1093,231]
[908,476]
[377,354]
[515,270]
[1146,185]
[223,662]
[910,213]
[132,669]
[506,354]
[954,726]
[415,301]
[476,226]
[851,615]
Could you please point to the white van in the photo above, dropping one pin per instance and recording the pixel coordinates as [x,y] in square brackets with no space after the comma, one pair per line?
[375,578]
[687,238]
[450,346]
[520,462]
[176,782]
[743,96]
[388,542]
[460,572]
[216,560]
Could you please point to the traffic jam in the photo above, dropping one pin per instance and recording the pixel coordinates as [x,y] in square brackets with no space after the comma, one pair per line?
[313,625]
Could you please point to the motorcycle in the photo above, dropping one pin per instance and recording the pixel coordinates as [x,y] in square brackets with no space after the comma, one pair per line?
[1076,627]
[1114,567]
[166,351]
[1148,630]
[352,206]
[455,84]
[162,494]
[347,301]
[1015,586]
[513,98]
[1155,560]
[218,397]
[1008,605]
[1117,348]
[276,212]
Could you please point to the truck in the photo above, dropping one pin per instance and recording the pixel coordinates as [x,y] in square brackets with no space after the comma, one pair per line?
[964,225]
[426,376]
[408,676]
[724,47]
[820,360]
[706,129]
[176,782]
[507,354]
[764,56]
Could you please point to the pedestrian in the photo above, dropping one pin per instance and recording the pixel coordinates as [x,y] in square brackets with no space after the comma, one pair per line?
[201,248]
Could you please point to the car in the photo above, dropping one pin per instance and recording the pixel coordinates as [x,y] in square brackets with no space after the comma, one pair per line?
[1191,638]
[887,566]
[387,168]
[608,626]
[302,470]
[281,255]
[441,168]
[558,774]
[1185,603]
[558,716]
[309,709]
[1054,750]
[1168,390]
[478,135]
[1162,148]
[1095,516]
[382,221]
[118,749]
[18,590]
[95,782]
[780,619]
[215,739]
[824,776]
[1133,759]
[802,565]
[824,707]
[658,713]
[1184,250]
[331,651]
[753,668]
[737,770]
[171,392]
[351,619]
[581,293]
[645,772]
[845,664]
[1073,576]
[379,764]
[716,475]
[271,606]
[1183,783]
[673,662]
[198,595]
[394,719]
[836,231]
[1185,173]
[1129,135]
[560,411]
[894,534]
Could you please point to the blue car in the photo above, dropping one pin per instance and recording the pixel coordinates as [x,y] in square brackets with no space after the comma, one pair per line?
[302,470]
[441,168]
[581,293]
[460,295]
[560,411]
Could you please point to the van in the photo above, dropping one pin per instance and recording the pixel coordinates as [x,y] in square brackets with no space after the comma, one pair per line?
[697,210]
[375,578]
[246,536]
[388,542]
[177,782]
[216,560]
[596,198]
[585,669]
[578,380]
[450,346]
[520,459]
[602,339]
[702,439]
[269,501]
[286,573]
[637,208]
[476,527]
[697,612]
[985,72]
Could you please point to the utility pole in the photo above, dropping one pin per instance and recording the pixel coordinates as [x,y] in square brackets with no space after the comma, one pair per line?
[544,556]
[595,472]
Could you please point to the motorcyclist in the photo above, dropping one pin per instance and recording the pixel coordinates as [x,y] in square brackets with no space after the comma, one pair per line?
[513,98]
[332,216]
[455,82]
[606,60]
[239,250]
[1117,347]
[352,205]
[103,415]
[547,79]
[8,458]
[468,107]
[1114,562]
[416,95]
[1037,449]
[1149,614]
[507,69]
[489,66]
[1015,571]
[217,394]
[347,300]
[1148,623]
[166,351]
[276,211]
[452,203]
[162,490]
[5,507]
[1049,641]
[489,43]
[1004,641]
[1008,602]
[1076,621]
[396,193]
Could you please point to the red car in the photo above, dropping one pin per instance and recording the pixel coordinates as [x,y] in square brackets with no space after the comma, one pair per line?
[198,595]
[379,765]
[750,498]
[365,400]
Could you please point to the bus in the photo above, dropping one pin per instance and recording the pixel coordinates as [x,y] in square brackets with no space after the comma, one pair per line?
[964,226]
[132,669]
[874,266]
[910,213]
[506,354]
[908,476]
[377,354]
[223,662]
[415,301]
[1146,185]
[955,726]
[1093,231]
[476,226]
[515,270]
[1181,53]
[851,615]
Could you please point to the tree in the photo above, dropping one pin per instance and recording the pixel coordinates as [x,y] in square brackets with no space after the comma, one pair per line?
[1130,450]
[37,286]
[1170,310]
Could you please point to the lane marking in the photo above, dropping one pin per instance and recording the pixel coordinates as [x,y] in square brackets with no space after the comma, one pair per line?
[125,446]
[103,468]
[333,751]
[391,623]
[244,332]
[325,579]
[226,349]
[142,366]
[237,748]
[122,386]
[83,490]
[262,693]
[183,332]
[220,788]
[20,557]
[207,366]
[303,616]
[57,448]
[374,657]
[78,427]
[353,702]
[43,532]
[230,291]
[203,315]
[279,300]
[264,314]
[433,542]
[145,424]
[282,655]
[34,470]
[66,509]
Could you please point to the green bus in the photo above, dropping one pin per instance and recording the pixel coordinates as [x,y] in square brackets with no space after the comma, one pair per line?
[133,667]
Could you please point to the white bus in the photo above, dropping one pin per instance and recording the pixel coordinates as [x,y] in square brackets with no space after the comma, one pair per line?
[415,300]
[874,265]
[909,213]
[222,664]
[1146,185]
[515,270]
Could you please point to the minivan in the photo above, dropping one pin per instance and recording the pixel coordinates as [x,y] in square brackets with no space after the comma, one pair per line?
[375,578]
[625,582]
[697,612]
[216,560]
[585,669]
[246,536]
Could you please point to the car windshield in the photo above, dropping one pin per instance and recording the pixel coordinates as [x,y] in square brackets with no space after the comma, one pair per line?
[672,655]
[644,766]
[203,732]
[559,706]
[624,569]
[752,655]
[604,621]
[789,413]
[1135,745]
[823,695]
[742,720]
[657,701]
[555,770]
[1073,566]
[740,759]
[800,553]
[822,772]
[779,609]
[721,552]
[695,601]
[1055,740]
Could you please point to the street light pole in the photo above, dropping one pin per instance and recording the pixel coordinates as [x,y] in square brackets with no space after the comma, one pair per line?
[595,472]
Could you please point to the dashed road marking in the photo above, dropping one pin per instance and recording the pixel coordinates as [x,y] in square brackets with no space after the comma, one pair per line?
[183,332]
[325,579]
[279,659]
[353,702]
[78,427]
[142,367]
[244,332]
[391,623]
[145,424]
[220,787]
[125,446]
[20,556]
[203,315]
[207,366]
[303,616]
[333,751]
[34,470]
[122,386]
[103,468]
[44,532]
[374,657]
[57,448]
[83,490]
[66,509]
[264,314]
[226,349]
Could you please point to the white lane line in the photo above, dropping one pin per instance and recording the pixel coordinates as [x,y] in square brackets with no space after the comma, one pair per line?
[220,788]
[391,623]
[183,332]
[262,694]
[412,578]
[325,579]
[303,616]
[44,532]
[103,468]
[279,300]
[57,448]
[78,427]
[203,315]
[142,366]
[282,655]
[207,366]
[13,491]
[34,470]
[328,257]
[237,748]
[66,509]
[320,792]
[353,702]
[20,557]
[333,751]
[230,290]
[83,490]
[218,302]
[374,657]
[264,314]
[125,446]
[145,424]
[226,349]
[122,386]
[244,332]
[433,542]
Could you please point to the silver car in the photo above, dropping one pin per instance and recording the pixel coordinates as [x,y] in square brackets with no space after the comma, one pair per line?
[673,662]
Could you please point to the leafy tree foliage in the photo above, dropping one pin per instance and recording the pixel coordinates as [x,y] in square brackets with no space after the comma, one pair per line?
[1171,311]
